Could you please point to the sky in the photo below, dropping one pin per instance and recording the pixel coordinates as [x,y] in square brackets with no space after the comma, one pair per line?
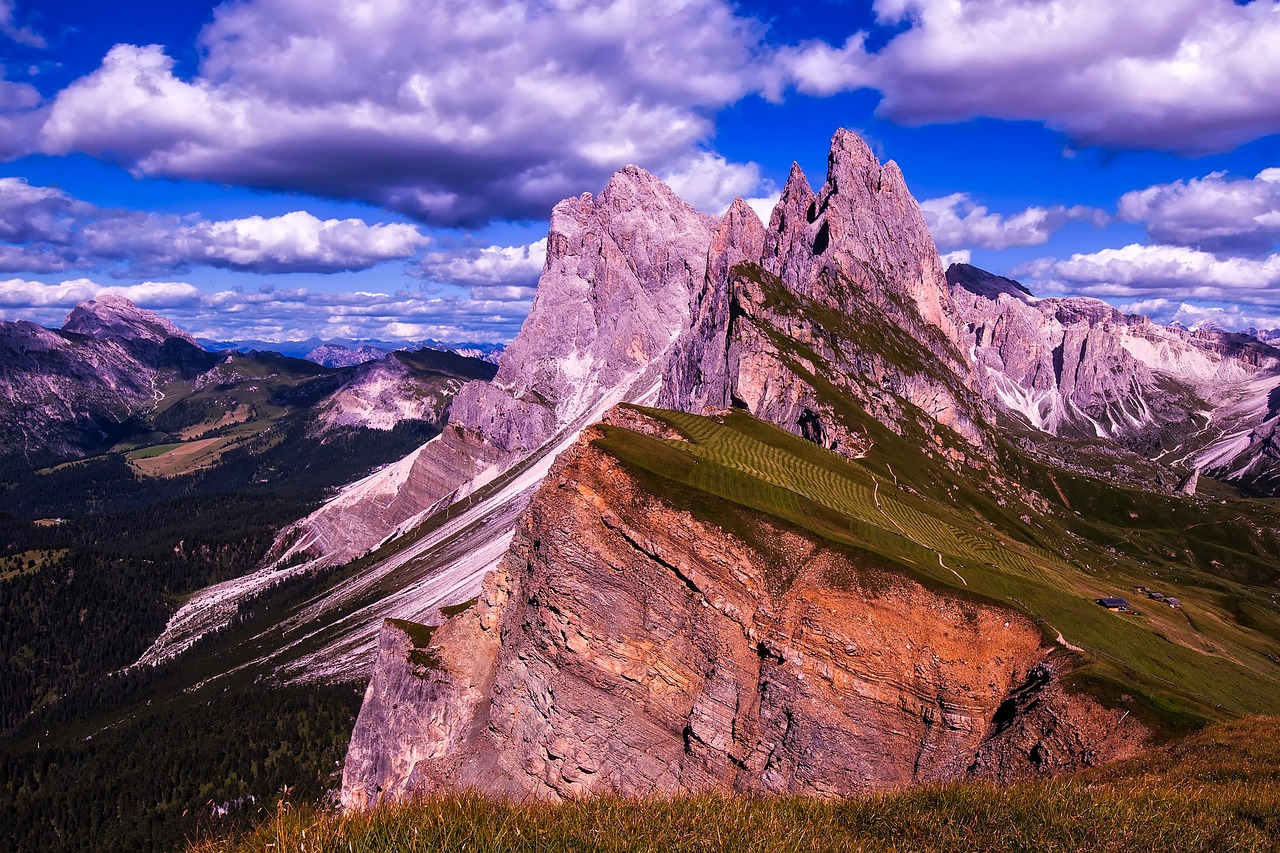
[385,169]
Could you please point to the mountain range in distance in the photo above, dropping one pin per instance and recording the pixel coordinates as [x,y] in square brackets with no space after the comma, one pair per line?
[344,352]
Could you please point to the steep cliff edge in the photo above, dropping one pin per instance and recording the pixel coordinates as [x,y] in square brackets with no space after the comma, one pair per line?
[639,640]
[620,273]
[841,297]
[622,268]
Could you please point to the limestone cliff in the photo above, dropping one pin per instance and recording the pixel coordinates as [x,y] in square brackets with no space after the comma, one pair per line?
[620,273]
[840,298]
[1078,367]
[629,644]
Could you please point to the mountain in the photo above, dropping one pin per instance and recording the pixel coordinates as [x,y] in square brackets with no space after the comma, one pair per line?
[335,355]
[75,391]
[1200,400]
[753,507]
[400,386]
[119,378]
[827,563]
[615,296]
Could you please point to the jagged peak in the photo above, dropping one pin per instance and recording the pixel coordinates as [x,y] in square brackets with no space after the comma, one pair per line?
[109,315]
[850,156]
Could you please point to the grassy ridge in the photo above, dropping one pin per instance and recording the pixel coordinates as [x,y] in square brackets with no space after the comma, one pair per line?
[1219,790]
[1206,661]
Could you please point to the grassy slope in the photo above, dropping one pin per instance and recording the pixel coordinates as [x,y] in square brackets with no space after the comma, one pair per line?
[899,506]
[1216,791]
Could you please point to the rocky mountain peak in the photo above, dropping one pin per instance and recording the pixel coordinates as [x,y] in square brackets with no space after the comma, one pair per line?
[111,316]
[985,284]
[866,229]
[622,270]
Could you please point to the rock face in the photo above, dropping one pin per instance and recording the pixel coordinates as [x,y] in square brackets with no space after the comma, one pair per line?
[625,645]
[114,317]
[620,274]
[400,386]
[336,355]
[841,298]
[1078,367]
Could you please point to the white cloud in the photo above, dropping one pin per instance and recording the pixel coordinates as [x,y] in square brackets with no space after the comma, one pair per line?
[22,294]
[1185,75]
[1213,212]
[1189,314]
[269,313]
[503,273]
[710,183]
[959,256]
[764,205]
[1170,272]
[452,111]
[958,221]
[49,230]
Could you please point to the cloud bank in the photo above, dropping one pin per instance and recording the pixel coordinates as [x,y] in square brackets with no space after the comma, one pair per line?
[280,314]
[452,112]
[1192,76]
[957,221]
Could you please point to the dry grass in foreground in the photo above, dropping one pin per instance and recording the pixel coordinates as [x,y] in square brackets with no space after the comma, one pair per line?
[1216,791]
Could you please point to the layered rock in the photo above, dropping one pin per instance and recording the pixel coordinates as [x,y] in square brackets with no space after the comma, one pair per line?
[66,393]
[400,386]
[1078,367]
[840,299]
[628,645]
[620,273]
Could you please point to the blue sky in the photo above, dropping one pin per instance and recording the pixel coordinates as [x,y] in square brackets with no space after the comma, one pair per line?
[276,169]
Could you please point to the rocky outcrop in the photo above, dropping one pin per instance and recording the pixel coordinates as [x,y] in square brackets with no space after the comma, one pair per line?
[397,387]
[621,271]
[336,355]
[629,645]
[1077,367]
[840,299]
[110,317]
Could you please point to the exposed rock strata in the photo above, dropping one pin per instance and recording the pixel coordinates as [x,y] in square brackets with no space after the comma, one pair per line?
[621,271]
[627,645]
[840,297]
[65,393]
[1077,367]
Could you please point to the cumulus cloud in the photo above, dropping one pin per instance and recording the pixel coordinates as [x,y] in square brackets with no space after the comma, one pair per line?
[959,256]
[500,273]
[1215,213]
[710,183]
[34,295]
[957,221]
[451,111]
[280,314]
[48,230]
[1191,76]
[1169,272]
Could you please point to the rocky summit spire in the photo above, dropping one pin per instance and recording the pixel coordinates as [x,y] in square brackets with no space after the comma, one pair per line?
[862,229]
[844,284]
